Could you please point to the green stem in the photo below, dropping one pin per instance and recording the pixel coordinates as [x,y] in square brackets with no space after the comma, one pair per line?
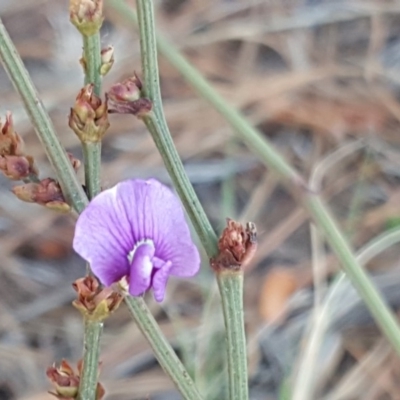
[90,370]
[230,285]
[157,126]
[92,57]
[261,146]
[165,145]
[376,304]
[41,121]
[163,351]
[92,162]
[92,157]
[92,151]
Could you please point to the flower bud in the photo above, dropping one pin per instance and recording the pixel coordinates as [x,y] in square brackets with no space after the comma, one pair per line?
[86,15]
[125,98]
[89,116]
[10,142]
[47,193]
[93,302]
[237,246]
[14,163]
[64,379]
[107,60]
[17,167]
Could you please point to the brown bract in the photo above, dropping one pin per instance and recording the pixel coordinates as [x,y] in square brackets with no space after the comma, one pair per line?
[10,142]
[65,380]
[47,193]
[17,167]
[125,98]
[94,302]
[89,116]
[14,163]
[237,245]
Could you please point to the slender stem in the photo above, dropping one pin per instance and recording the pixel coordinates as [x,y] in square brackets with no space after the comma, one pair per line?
[260,146]
[92,151]
[41,121]
[230,284]
[162,139]
[163,351]
[92,161]
[90,370]
[92,57]
[92,157]
[157,126]
[358,276]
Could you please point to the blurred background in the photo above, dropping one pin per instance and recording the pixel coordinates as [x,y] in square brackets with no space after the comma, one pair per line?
[317,77]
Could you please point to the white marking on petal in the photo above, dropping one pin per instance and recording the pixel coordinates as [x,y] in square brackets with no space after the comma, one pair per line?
[133,251]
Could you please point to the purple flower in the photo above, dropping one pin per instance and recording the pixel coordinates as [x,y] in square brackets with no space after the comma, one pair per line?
[136,229]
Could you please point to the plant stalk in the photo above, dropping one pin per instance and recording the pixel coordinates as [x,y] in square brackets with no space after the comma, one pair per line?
[163,351]
[92,150]
[230,285]
[91,354]
[162,138]
[92,162]
[92,61]
[92,156]
[157,126]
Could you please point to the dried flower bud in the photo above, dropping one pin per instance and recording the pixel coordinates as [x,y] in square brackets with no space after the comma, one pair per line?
[17,167]
[47,193]
[94,302]
[14,163]
[107,60]
[86,15]
[125,98]
[10,142]
[89,116]
[237,246]
[64,379]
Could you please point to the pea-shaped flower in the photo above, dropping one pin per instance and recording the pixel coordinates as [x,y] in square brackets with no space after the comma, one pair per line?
[137,230]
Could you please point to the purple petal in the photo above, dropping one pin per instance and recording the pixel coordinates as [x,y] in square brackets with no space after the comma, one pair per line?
[160,279]
[141,269]
[103,237]
[119,219]
[156,213]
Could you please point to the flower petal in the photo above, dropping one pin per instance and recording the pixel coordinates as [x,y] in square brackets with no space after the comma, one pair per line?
[160,279]
[156,213]
[141,269]
[103,237]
